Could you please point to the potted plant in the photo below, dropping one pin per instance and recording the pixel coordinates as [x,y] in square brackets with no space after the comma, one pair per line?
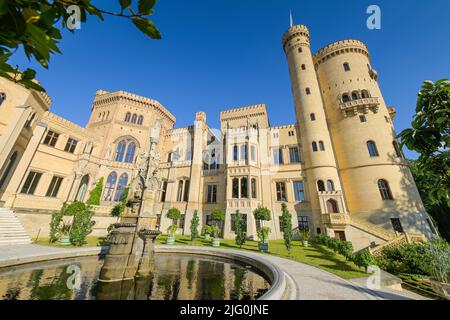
[305,235]
[263,214]
[63,234]
[217,216]
[174,214]
[208,232]
[439,267]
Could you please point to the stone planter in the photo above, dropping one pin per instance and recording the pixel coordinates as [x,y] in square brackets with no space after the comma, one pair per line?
[263,246]
[64,240]
[170,239]
[216,242]
[443,289]
[305,243]
[207,237]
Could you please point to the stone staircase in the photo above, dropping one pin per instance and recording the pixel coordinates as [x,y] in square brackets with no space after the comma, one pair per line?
[11,230]
[372,229]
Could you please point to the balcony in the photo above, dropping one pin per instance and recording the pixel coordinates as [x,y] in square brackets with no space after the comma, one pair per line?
[336,219]
[362,105]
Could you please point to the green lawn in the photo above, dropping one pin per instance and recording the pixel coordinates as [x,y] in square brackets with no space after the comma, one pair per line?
[314,255]
[91,242]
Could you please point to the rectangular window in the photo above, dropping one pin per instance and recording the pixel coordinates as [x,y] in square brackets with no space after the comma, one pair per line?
[164,191]
[281,191]
[299,192]
[244,152]
[31,182]
[54,186]
[158,220]
[303,223]
[209,221]
[180,191]
[397,225]
[233,222]
[252,153]
[362,118]
[277,156]
[212,193]
[71,145]
[186,191]
[51,138]
[181,221]
[294,155]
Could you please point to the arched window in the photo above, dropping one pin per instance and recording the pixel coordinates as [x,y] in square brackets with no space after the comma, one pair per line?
[346,67]
[385,190]
[127,117]
[131,150]
[244,187]
[134,118]
[321,146]
[320,186]
[120,151]
[313,117]
[2,97]
[365,94]
[372,147]
[345,98]
[83,188]
[314,146]
[140,120]
[253,186]
[244,152]
[9,166]
[330,185]
[332,206]
[355,95]
[235,190]
[123,181]
[397,149]
[109,187]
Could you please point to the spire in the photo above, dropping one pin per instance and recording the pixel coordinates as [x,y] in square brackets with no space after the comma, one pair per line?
[291,20]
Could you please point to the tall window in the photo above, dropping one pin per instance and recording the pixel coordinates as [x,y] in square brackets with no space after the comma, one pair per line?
[312,116]
[235,153]
[127,117]
[140,120]
[123,181]
[354,96]
[346,67]
[163,191]
[281,191]
[320,186]
[397,149]
[109,187]
[345,98]
[9,166]
[365,94]
[385,190]
[186,191]
[29,187]
[303,223]
[244,187]
[120,151]
[252,153]
[332,206]
[294,156]
[308,91]
[299,192]
[54,186]
[134,118]
[372,147]
[180,191]
[235,188]
[70,145]
[131,150]
[321,146]
[212,193]
[244,152]
[303,67]
[397,225]
[330,185]
[51,138]
[314,146]
[277,156]
[253,187]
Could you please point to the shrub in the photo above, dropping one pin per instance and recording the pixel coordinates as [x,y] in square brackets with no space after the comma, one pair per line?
[119,209]
[263,234]
[208,229]
[438,252]
[239,225]
[55,221]
[173,214]
[194,226]
[345,248]
[286,218]
[305,234]
[217,216]
[262,213]
[363,259]
[409,258]
[96,193]
[82,225]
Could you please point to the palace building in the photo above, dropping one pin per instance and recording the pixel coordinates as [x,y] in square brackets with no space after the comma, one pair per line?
[337,166]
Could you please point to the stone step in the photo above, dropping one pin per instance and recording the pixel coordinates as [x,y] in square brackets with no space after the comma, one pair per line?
[11,230]
[14,242]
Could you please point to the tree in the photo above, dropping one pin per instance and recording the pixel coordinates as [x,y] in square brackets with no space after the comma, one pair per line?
[118,209]
[239,229]
[81,225]
[262,214]
[194,226]
[95,194]
[31,25]
[173,214]
[286,219]
[217,215]
[430,137]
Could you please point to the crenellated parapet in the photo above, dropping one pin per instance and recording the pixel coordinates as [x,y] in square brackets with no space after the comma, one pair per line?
[298,31]
[340,47]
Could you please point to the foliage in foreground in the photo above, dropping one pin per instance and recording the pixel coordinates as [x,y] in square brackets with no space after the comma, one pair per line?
[95,194]
[194,226]
[239,227]
[286,219]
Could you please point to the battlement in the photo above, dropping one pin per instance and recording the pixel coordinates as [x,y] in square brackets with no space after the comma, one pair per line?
[340,47]
[295,31]
[249,111]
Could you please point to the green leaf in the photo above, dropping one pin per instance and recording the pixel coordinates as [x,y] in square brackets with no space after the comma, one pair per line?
[125,3]
[145,6]
[147,27]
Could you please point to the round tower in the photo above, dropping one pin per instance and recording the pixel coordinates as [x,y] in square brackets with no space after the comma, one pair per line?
[377,184]
[323,182]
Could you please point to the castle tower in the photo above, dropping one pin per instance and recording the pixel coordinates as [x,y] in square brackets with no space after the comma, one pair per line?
[324,187]
[377,183]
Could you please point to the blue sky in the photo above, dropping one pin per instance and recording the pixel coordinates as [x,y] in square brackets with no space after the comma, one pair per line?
[218,54]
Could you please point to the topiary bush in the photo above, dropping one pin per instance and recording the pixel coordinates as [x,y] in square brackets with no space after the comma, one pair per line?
[286,218]
[173,214]
[194,226]
[239,225]
[81,225]
[363,259]
[217,216]
[96,193]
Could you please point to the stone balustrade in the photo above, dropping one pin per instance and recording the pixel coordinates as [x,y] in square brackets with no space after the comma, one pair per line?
[362,105]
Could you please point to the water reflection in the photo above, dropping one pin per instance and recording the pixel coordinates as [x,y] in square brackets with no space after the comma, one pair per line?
[184,277]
